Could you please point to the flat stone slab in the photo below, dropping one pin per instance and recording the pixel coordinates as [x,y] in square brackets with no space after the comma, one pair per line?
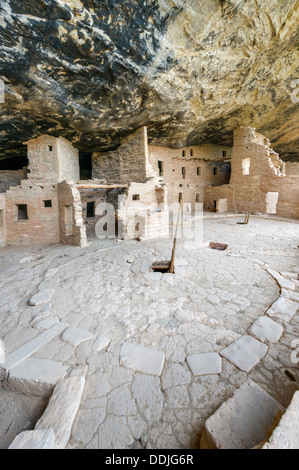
[102,342]
[283,309]
[41,439]
[46,322]
[245,352]
[36,377]
[205,363]
[243,421]
[266,329]
[31,347]
[141,359]
[145,266]
[283,283]
[75,336]
[153,276]
[41,297]
[62,409]
[290,294]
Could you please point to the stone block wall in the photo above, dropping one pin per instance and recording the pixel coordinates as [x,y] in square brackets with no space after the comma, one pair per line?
[127,163]
[135,213]
[186,176]
[214,194]
[52,160]
[71,225]
[291,168]
[42,224]
[2,220]
[68,160]
[288,199]
[10,178]
[258,179]
[98,196]
[153,225]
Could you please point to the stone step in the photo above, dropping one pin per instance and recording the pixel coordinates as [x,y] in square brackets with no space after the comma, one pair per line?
[243,421]
[62,409]
[36,377]
[41,439]
[15,357]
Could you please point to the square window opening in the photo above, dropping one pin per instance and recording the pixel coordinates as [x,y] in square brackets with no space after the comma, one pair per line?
[22,212]
[136,197]
[48,203]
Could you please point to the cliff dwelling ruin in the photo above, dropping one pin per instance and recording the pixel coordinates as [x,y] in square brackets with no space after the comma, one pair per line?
[149,211]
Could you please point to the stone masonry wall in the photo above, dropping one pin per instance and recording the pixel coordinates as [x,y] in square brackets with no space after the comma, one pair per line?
[42,225]
[256,178]
[10,178]
[68,160]
[71,224]
[188,175]
[137,211]
[97,196]
[52,160]
[2,220]
[127,163]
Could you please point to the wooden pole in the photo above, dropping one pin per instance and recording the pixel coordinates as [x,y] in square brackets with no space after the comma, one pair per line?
[171,266]
[249,210]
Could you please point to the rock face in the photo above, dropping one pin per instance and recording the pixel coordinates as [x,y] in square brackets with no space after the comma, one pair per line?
[93,71]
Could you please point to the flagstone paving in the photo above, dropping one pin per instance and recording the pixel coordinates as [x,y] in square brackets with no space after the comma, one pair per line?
[99,298]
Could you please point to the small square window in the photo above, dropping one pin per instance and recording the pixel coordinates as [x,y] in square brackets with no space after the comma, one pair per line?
[136,197]
[22,212]
[50,148]
[48,203]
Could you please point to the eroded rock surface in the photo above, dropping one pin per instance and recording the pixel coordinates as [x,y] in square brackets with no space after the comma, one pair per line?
[93,71]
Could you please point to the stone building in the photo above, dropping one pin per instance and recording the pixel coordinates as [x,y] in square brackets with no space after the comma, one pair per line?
[259,179]
[48,203]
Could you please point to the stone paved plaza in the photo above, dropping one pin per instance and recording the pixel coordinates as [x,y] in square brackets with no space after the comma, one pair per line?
[160,352]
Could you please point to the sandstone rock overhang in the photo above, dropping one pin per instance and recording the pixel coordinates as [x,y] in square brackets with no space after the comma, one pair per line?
[94,71]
